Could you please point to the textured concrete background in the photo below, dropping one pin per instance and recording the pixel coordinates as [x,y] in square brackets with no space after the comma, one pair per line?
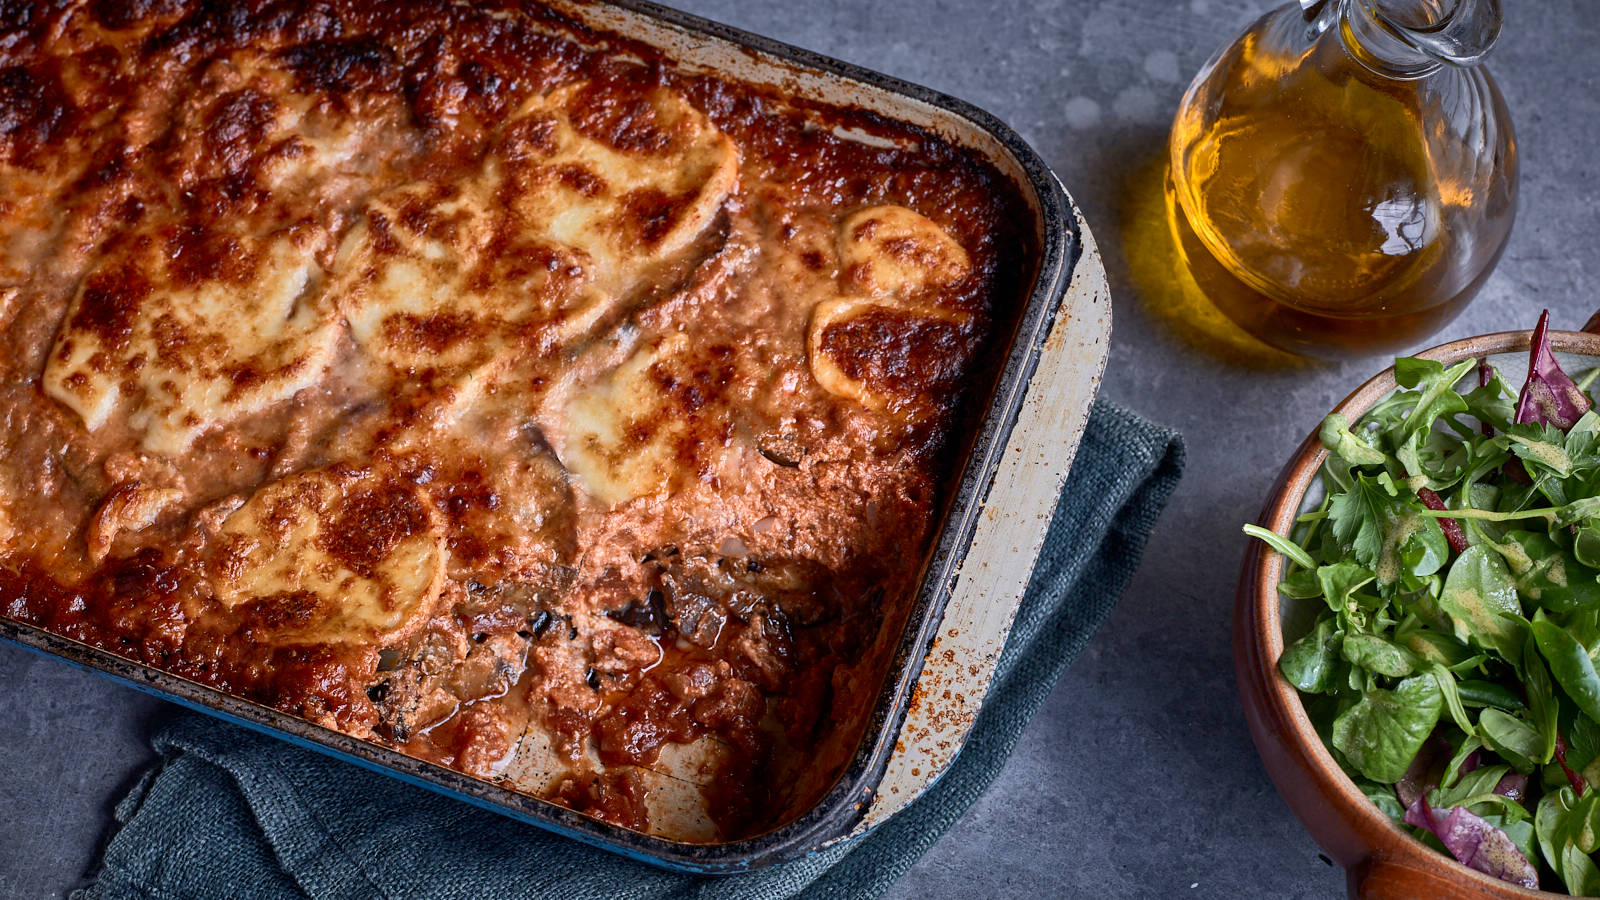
[1138,779]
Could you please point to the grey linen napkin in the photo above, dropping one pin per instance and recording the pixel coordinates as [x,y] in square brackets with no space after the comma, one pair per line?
[230,813]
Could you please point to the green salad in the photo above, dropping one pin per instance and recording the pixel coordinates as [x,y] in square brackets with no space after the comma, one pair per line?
[1452,670]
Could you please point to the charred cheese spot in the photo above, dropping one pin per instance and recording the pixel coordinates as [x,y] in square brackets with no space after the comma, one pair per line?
[893,251]
[405,282]
[557,229]
[244,145]
[180,343]
[346,66]
[897,342]
[331,556]
[639,429]
[35,112]
[880,356]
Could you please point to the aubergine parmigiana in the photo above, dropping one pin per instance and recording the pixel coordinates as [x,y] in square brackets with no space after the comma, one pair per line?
[481,386]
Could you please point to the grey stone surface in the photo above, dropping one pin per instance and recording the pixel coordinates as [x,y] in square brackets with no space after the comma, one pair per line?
[1138,779]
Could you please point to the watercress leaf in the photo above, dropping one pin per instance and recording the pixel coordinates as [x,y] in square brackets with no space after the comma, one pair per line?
[1549,395]
[1543,708]
[1491,403]
[1478,781]
[1478,693]
[1382,732]
[1339,580]
[1517,742]
[1382,796]
[1480,599]
[1452,699]
[1311,663]
[1570,664]
[1354,449]
[1554,579]
[1586,543]
[1436,394]
[1379,656]
[1301,584]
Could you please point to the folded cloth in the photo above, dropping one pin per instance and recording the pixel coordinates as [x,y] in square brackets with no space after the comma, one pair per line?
[230,813]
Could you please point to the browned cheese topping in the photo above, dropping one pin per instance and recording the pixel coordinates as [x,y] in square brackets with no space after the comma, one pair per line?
[481,386]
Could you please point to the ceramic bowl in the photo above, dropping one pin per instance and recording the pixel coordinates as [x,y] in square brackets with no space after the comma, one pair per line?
[1380,859]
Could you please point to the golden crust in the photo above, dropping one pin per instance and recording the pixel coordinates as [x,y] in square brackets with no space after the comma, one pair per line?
[480,385]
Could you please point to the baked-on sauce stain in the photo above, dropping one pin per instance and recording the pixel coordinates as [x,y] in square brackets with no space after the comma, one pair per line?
[495,353]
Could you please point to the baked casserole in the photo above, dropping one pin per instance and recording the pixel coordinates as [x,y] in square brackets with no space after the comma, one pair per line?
[482,386]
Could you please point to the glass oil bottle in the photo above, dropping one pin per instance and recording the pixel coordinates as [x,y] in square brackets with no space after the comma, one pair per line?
[1343,176]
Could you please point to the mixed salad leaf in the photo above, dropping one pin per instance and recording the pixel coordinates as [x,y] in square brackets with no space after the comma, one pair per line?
[1452,666]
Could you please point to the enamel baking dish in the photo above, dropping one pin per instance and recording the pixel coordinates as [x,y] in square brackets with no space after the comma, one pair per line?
[1044,365]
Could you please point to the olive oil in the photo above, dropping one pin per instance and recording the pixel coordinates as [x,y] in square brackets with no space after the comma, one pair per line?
[1332,201]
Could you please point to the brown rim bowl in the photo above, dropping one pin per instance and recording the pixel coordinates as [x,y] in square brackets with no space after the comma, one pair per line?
[1380,859]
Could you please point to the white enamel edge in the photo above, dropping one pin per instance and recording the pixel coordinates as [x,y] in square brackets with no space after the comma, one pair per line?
[1011,529]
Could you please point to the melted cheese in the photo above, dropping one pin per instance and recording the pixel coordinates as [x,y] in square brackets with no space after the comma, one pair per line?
[176,355]
[824,367]
[898,260]
[891,251]
[557,229]
[130,507]
[331,556]
[208,306]
[623,437]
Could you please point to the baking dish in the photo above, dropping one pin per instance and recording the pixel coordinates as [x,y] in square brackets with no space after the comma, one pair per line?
[1045,361]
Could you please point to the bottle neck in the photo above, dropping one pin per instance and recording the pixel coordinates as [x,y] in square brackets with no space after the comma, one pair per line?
[1378,46]
[1410,39]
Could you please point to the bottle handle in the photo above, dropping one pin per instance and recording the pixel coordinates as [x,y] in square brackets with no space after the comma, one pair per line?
[1320,16]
